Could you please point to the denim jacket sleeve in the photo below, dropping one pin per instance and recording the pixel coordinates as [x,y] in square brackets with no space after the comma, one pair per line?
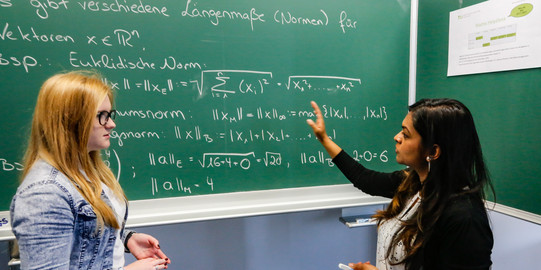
[43,220]
[125,239]
[56,227]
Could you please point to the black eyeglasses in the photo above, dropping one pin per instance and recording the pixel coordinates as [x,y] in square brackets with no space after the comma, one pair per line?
[104,116]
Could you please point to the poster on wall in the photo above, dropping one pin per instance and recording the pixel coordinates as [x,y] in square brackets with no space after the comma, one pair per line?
[496,35]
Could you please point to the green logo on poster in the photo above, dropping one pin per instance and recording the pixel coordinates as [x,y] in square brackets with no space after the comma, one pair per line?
[521,10]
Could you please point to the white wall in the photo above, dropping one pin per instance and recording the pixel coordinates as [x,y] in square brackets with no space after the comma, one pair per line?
[517,243]
[303,240]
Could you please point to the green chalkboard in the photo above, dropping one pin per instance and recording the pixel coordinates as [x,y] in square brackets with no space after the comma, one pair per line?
[213,96]
[505,106]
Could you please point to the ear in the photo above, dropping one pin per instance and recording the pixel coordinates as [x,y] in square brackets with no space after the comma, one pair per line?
[435,152]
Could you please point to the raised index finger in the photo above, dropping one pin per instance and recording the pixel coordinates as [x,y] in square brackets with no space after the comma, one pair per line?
[317,111]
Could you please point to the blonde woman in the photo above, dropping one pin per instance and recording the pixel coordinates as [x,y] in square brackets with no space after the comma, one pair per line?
[69,211]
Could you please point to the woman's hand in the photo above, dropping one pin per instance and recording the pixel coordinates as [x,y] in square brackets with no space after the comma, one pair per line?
[144,246]
[321,134]
[319,125]
[362,266]
[147,264]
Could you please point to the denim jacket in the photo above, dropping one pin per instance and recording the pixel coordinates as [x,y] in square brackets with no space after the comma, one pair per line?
[56,227]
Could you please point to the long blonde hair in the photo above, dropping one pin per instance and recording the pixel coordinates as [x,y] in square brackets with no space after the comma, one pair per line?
[65,110]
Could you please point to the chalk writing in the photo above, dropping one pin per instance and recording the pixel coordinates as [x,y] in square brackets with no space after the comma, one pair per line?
[215,160]
[377,113]
[176,184]
[10,166]
[137,135]
[230,160]
[42,6]
[31,35]
[222,83]
[122,6]
[318,158]
[152,114]
[333,112]
[370,155]
[18,61]
[244,136]
[327,83]
[120,37]
[109,62]
[172,63]
[243,161]
[286,17]
[211,96]
[216,15]
[5,3]
[346,23]
[168,159]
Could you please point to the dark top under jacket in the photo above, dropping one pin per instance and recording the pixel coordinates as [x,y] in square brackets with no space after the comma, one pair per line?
[462,238]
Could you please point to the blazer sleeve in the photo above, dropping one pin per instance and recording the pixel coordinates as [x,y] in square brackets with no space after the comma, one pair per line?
[369,181]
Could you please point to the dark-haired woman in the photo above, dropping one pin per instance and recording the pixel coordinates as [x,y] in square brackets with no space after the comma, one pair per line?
[437,217]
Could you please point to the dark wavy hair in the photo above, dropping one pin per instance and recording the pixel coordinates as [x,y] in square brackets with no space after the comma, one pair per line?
[460,169]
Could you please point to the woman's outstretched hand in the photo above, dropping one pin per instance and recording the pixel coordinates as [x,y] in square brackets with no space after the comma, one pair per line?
[144,246]
[319,126]
[321,134]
